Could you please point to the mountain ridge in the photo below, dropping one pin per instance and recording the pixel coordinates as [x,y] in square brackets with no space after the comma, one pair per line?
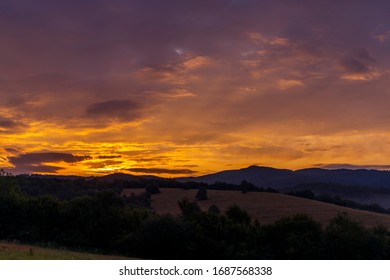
[263,176]
[267,177]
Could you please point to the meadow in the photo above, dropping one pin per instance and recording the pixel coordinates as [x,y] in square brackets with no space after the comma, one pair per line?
[15,251]
[265,207]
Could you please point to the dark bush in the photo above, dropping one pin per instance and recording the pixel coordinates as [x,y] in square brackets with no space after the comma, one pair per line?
[297,237]
[152,188]
[348,239]
[163,238]
[237,215]
[201,194]
[213,209]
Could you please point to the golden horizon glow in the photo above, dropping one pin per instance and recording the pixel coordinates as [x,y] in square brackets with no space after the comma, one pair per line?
[177,160]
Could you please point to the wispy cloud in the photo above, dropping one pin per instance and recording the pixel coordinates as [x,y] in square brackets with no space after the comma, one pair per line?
[286,84]
[161,171]
[352,166]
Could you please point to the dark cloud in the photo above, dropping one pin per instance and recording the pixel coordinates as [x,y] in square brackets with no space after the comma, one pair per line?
[352,166]
[161,171]
[353,65]
[153,159]
[10,126]
[36,162]
[363,54]
[7,123]
[358,62]
[37,158]
[103,164]
[125,110]
[46,169]
[13,151]
[189,165]
[108,157]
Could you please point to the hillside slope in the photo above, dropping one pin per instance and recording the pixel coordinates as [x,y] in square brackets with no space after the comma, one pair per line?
[266,207]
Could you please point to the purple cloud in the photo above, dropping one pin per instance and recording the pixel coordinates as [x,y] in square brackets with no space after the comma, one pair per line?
[125,110]
[36,162]
[7,123]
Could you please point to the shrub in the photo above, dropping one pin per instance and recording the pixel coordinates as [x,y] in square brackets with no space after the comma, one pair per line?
[163,237]
[201,194]
[213,209]
[237,215]
[152,188]
[188,209]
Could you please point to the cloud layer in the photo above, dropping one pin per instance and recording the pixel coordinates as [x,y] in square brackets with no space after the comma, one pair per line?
[165,84]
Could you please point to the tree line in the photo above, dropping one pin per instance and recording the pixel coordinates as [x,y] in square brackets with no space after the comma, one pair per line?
[103,221]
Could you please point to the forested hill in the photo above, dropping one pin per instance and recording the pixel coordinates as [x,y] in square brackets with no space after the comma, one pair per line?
[283,178]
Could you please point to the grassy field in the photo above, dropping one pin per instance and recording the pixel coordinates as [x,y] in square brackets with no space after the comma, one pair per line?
[12,251]
[266,207]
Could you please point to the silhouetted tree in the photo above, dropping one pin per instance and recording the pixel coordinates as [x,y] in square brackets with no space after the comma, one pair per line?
[188,209]
[297,237]
[347,239]
[142,200]
[152,188]
[213,209]
[201,194]
[246,187]
[237,215]
[163,237]
[11,207]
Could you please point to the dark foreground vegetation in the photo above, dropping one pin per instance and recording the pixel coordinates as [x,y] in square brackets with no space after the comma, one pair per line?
[103,221]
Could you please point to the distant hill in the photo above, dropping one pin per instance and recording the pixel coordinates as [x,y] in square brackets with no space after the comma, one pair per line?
[362,186]
[124,177]
[280,179]
[266,177]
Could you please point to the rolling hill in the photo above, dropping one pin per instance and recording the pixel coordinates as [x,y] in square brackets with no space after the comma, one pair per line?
[266,207]
[362,186]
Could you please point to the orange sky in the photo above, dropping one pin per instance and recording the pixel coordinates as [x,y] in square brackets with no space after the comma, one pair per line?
[184,88]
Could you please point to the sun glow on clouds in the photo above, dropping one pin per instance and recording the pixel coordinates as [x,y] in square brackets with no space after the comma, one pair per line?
[171,159]
[361,76]
[286,84]
[217,91]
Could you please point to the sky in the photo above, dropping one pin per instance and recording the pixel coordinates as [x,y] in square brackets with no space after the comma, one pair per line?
[184,88]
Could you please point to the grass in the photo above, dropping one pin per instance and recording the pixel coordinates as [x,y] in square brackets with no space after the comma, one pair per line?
[266,207]
[13,251]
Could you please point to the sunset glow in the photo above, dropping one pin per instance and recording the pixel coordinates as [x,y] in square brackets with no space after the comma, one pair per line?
[184,88]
